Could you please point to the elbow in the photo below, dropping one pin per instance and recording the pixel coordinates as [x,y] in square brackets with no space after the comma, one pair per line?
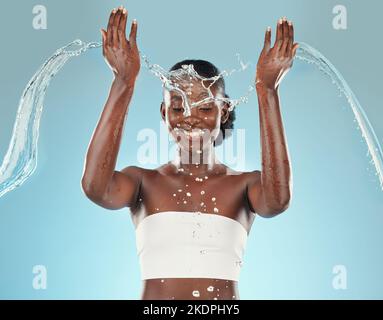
[89,190]
[275,209]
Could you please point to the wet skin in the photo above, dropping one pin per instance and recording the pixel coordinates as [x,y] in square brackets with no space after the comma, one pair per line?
[238,195]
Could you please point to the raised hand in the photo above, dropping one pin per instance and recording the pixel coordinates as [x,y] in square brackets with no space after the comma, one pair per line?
[121,54]
[274,63]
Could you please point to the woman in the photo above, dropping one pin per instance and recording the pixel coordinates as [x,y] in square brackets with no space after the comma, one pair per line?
[192,216]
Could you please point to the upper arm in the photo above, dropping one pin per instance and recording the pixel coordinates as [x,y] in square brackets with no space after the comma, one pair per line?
[256,197]
[122,190]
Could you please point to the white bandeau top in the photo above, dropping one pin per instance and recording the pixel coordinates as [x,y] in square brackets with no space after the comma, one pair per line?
[179,244]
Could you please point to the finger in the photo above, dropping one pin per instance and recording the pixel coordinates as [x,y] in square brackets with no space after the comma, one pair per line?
[266,46]
[291,39]
[133,34]
[116,22]
[279,35]
[285,31]
[109,39]
[122,27]
[294,50]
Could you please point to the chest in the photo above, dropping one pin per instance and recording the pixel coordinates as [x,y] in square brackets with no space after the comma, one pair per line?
[220,195]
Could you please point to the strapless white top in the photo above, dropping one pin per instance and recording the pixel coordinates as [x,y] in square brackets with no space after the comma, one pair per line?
[177,244]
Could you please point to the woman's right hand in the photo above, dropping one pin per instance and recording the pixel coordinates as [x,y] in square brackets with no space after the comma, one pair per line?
[121,54]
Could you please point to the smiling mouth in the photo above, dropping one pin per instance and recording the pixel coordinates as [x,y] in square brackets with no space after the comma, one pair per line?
[194,133]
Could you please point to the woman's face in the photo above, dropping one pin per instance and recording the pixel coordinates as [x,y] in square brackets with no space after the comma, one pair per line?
[201,128]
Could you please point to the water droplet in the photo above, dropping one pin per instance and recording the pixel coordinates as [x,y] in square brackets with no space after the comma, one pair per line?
[162,280]
[202,192]
[188,194]
[216,210]
[210,288]
[174,194]
[213,199]
[185,202]
[195,293]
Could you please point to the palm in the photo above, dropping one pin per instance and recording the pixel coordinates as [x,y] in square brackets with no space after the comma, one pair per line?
[275,62]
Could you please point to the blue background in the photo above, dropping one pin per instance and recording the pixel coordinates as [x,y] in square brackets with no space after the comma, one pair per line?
[336,214]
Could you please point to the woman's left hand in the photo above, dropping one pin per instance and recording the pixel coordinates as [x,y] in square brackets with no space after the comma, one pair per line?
[274,63]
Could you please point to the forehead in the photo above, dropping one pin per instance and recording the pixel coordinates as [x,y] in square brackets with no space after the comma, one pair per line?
[193,86]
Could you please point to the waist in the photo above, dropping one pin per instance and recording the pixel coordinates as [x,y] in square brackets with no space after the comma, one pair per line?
[174,244]
[186,289]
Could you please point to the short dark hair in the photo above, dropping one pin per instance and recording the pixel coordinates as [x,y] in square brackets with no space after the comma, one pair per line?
[208,70]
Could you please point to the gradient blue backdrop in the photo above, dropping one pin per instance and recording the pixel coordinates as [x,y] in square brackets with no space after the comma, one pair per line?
[336,215]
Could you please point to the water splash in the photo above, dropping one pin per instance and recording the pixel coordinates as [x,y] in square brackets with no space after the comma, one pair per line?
[20,159]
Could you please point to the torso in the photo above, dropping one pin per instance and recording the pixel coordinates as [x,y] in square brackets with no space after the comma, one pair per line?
[223,192]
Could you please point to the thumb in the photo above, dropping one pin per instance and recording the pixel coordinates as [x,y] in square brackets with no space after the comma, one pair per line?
[295,47]
[103,34]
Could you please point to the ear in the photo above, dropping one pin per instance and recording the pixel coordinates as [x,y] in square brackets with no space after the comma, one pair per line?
[225,113]
[163,111]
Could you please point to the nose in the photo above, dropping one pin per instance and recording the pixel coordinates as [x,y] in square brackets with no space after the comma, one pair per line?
[191,120]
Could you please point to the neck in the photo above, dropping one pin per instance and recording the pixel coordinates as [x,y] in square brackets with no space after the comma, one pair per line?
[194,162]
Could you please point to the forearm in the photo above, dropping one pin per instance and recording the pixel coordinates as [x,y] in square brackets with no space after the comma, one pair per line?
[276,171]
[103,149]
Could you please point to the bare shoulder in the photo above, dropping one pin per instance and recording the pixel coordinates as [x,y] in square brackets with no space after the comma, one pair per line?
[139,173]
[248,177]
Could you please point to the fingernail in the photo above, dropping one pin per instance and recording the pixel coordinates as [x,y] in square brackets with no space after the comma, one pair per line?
[268,29]
[124,11]
[114,10]
[280,21]
[290,23]
[135,21]
[284,18]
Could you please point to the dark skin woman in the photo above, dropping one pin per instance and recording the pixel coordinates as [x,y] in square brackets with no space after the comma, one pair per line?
[238,195]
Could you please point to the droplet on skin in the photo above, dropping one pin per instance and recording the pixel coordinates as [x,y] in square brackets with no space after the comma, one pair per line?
[202,192]
[206,177]
[215,298]
[162,280]
[195,293]
[216,210]
[174,194]
[202,204]
[210,288]
[179,190]
[213,199]
[185,202]
[233,297]
[188,194]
